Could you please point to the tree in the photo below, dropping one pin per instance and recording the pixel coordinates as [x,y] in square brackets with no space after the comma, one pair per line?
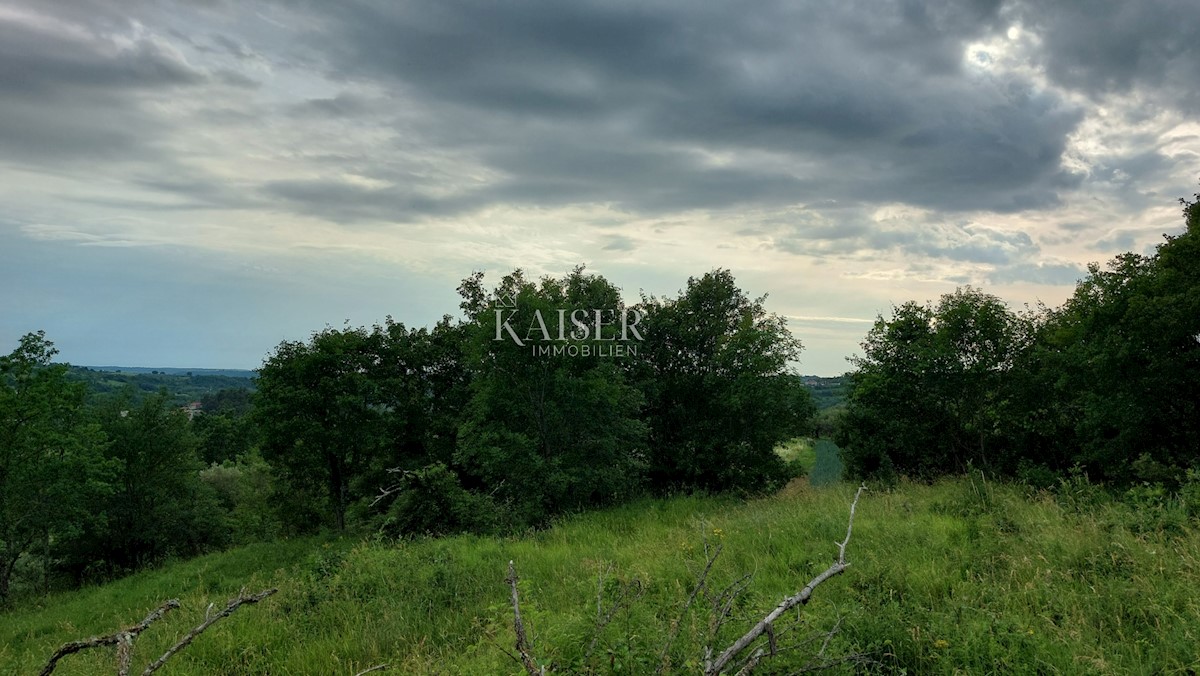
[319,407]
[552,422]
[721,393]
[340,410]
[928,396]
[49,455]
[1124,354]
[156,506]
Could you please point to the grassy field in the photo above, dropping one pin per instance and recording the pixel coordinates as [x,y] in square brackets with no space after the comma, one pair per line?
[960,577]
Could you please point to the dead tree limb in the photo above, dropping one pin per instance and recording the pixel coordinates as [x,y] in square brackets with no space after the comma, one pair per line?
[122,639]
[714,667]
[234,604]
[519,626]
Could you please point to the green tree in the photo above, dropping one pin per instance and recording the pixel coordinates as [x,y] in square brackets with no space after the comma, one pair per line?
[320,410]
[928,396]
[49,455]
[337,412]
[716,372]
[552,422]
[1123,357]
[157,505]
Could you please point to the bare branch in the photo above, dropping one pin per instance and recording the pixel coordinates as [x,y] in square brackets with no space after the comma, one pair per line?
[122,639]
[722,605]
[711,668]
[385,491]
[377,667]
[234,604]
[604,618]
[519,627]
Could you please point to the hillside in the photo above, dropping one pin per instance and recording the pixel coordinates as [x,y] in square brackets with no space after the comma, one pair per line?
[183,385]
[962,575]
[827,392]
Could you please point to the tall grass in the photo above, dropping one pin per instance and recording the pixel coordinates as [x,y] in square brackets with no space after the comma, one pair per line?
[963,576]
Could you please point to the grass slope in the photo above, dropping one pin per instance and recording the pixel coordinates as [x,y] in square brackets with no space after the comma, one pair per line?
[959,576]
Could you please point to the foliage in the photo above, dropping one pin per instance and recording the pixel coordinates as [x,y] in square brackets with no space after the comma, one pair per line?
[322,414]
[716,371]
[432,501]
[958,576]
[50,463]
[156,506]
[184,387]
[1107,382]
[927,397]
[1122,356]
[244,488]
[557,431]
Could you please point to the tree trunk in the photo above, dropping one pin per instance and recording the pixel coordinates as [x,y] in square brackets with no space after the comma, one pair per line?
[7,566]
[337,492]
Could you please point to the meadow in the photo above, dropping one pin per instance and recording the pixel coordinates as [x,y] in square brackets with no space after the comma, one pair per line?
[962,576]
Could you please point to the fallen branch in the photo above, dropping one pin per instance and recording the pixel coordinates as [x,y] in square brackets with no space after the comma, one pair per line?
[717,666]
[519,627]
[234,604]
[122,639]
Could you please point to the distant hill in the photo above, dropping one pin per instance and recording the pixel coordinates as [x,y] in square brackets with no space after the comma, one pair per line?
[184,385]
[231,373]
[826,392]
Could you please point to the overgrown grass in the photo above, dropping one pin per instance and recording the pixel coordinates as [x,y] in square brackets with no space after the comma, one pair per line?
[961,576]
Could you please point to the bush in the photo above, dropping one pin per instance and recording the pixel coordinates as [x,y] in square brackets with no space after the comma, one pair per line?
[431,501]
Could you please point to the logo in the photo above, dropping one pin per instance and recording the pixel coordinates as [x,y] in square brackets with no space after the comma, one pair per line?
[601,332]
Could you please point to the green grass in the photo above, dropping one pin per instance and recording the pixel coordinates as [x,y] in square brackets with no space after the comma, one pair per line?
[818,458]
[959,577]
[827,464]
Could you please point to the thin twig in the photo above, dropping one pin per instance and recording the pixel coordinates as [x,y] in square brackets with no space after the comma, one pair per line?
[603,619]
[377,667]
[122,639]
[711,668]
[519,627]
[208,622]
[723,604]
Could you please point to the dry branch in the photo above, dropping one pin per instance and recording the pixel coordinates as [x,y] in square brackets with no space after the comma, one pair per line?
[519,627]
[619,601]
[122,639]
[714,667]
[234,604]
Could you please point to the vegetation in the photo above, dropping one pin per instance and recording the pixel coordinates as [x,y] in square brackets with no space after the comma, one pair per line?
[1108,382]
[601,447]
[182,386]
[961,575]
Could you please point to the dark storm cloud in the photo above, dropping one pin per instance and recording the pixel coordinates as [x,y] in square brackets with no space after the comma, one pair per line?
[849,230]
[67,96]
[1100,46]
[626,102]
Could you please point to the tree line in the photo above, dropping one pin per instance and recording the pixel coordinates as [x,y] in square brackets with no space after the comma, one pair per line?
[1108,384]
[542,397]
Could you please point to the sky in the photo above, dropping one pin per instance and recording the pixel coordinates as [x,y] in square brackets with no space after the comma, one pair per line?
[188,184]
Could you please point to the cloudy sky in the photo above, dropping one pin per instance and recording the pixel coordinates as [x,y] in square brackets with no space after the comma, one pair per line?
[188,184]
